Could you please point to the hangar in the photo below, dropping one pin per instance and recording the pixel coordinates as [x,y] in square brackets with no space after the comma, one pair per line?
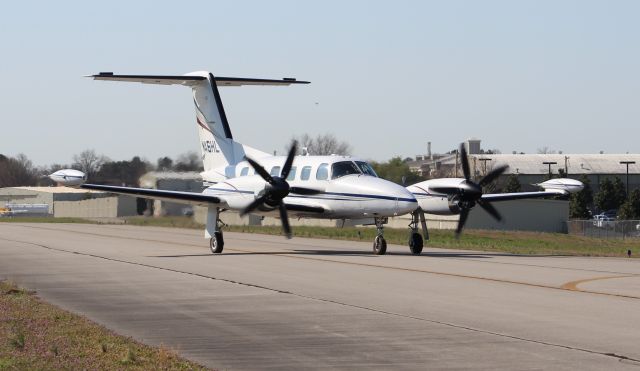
[532,168]
[71,202]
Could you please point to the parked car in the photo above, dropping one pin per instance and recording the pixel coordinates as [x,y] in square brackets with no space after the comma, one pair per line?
[604,221]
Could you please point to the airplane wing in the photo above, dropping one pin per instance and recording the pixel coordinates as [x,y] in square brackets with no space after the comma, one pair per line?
[523,195]
[190,198]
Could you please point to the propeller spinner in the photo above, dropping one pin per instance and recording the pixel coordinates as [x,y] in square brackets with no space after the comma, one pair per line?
[470,193]
[276,189]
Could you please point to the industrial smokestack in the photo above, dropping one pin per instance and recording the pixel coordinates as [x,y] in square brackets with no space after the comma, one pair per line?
[429,151]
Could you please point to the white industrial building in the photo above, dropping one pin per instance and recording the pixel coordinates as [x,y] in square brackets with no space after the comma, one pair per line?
[531,168]
[170,180]
[71,202]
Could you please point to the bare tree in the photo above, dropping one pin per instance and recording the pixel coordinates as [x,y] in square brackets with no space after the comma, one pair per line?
[89,162]
[323,144]
[17,171]
[546,150]
[189,161]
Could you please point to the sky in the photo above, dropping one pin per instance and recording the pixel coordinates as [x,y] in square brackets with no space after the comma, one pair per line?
[386,76]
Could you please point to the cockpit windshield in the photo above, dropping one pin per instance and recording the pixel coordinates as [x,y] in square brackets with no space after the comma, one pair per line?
[342,168]
[366,168]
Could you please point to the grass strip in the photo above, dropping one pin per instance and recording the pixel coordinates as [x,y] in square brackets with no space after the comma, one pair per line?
[35,335]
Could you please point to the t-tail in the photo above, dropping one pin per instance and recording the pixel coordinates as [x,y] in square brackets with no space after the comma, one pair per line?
[220,153]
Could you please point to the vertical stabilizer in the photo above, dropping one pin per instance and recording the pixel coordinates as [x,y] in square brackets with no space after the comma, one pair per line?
[218,149]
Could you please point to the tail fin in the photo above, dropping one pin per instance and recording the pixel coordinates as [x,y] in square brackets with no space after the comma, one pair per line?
[217,146]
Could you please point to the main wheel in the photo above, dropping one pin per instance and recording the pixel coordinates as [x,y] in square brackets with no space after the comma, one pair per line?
[216,243]
[379,246]
[416,243]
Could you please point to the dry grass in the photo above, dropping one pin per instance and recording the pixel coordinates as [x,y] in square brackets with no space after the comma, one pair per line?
[35,335]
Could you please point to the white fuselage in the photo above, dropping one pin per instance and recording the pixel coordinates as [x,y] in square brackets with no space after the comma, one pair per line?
[350,188]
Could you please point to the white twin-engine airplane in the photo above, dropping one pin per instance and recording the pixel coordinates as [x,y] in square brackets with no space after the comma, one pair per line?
[245,179]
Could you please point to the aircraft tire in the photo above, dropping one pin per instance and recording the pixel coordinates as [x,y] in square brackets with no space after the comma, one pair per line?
[216,243]
[416,243]
[379,246]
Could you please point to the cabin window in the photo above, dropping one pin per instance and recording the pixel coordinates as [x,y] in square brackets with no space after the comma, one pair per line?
[275,171]
[323,172]
[292,173]
[342,168]
[244,171]
[305,173]
[366,168]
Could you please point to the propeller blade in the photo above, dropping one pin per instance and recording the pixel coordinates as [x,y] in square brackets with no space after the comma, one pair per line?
[304,191]
[493,175]
[252,206]
[287,164]
[463,219]
[465,162]
[260,170]
[285,220]
[490,209]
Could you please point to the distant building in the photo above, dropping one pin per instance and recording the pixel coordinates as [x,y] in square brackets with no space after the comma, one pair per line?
[530,168]
[171,180]
[69,202]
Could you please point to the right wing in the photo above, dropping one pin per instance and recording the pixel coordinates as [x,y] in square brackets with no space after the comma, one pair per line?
[523,195]
[190,198]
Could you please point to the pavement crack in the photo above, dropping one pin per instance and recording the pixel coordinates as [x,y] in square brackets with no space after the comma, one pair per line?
[619,357]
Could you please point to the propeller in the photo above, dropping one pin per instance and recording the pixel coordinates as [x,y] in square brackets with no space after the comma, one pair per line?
[276,189]
[469,193]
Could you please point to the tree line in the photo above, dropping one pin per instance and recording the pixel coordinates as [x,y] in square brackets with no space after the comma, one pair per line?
[19,171]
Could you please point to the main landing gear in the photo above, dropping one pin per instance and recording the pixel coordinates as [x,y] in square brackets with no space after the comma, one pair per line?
[379,243]
[416,242]
[214,230]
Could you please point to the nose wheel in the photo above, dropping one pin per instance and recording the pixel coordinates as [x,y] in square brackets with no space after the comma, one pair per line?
[379,243]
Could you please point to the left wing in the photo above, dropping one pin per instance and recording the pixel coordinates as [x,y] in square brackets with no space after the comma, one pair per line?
[190,198]
[521,195]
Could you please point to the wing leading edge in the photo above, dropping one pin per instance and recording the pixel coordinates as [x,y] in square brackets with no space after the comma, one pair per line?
[190,198]
[494,197]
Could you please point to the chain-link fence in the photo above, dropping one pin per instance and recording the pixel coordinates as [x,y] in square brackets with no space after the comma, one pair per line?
[602,228]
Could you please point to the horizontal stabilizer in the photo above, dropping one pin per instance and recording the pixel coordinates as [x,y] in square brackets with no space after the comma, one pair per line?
[192,79]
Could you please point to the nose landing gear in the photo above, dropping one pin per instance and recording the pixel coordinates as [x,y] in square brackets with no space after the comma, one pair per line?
[379,243]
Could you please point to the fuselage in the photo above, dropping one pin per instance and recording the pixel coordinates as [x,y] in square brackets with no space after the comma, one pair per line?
[350,188]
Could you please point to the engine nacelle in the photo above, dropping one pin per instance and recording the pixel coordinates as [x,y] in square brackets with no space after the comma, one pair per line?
[68,177]
[433,203]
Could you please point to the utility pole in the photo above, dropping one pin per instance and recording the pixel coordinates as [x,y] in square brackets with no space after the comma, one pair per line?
[627,163]
[484,162]
[549,163]
[566,166]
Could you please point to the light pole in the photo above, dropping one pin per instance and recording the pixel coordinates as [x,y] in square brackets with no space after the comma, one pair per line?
[549,163]
[627,163]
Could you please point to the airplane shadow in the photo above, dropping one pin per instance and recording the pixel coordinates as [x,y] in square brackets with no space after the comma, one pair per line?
[293,252]
[363,253]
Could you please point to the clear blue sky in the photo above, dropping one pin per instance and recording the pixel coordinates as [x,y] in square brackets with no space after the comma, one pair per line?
[387,76]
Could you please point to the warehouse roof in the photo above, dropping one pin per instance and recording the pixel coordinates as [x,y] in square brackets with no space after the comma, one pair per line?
[576,163]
